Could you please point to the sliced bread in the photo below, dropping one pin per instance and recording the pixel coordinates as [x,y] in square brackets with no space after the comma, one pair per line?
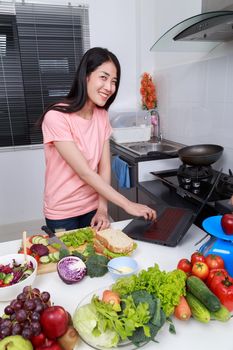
[115,240]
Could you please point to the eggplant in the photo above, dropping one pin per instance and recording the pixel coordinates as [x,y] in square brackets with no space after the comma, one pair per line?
[71,269]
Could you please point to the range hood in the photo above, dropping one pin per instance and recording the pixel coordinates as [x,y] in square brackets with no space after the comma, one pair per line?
[202,32]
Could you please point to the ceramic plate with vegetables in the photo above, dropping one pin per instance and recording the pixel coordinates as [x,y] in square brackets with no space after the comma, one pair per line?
[132,311]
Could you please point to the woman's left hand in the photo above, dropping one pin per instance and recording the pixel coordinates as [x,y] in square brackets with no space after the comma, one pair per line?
[100,220]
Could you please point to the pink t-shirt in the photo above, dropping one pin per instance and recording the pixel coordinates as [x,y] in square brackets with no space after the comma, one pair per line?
[66,195]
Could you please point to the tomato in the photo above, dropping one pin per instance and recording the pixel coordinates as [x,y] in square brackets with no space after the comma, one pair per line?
[227,224]
[201,270]
[224,291]
[214,261]
[218,277]
[197,257]
[185,265]
[29,252]
[112,298]
[214,272]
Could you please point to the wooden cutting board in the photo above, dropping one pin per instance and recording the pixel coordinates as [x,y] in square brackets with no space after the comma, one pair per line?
[52,266]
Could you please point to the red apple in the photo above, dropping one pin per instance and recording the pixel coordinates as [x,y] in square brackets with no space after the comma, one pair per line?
[227,223]
[38,340]
[54,321]
[49,345]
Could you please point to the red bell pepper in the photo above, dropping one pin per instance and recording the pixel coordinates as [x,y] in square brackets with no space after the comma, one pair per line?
[224,291]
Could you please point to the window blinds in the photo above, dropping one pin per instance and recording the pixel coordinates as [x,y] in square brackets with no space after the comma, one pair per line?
[40,48]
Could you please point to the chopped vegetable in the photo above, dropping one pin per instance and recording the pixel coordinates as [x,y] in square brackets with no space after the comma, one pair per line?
[71,269]
[39,249]
[78,237]
[13,272]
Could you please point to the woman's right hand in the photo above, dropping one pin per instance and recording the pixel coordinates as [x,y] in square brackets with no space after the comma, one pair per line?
[136,209]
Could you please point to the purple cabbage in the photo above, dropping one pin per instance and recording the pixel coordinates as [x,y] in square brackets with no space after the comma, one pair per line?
[71,269]
[39,249]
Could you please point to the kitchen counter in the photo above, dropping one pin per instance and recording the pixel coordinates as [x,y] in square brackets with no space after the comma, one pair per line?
[191,335]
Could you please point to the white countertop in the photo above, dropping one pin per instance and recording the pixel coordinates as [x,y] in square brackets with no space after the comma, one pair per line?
[190,335]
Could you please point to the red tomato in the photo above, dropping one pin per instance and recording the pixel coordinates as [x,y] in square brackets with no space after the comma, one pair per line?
[218,277]
[111,297]
[201,270]
[224,291]
[214,261]
[197,257]
[185,265]
[214,272]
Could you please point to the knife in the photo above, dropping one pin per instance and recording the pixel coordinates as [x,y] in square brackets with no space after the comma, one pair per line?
[53,239]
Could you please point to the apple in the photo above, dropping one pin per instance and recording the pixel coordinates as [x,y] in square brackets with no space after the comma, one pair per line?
[227,223]
[54,321]
[49,345]
[38,340]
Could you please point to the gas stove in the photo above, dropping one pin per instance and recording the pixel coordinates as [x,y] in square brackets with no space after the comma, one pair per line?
[195,182]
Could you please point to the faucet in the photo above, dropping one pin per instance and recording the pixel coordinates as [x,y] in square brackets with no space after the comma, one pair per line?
[155,121]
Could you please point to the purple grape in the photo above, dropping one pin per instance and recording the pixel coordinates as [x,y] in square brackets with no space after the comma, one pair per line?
[17,305]
[5,332]
[35,316]
[39,307]
[16,329]
[36,328]
[8,310]
[22,296]
[45,296]
[36,291]
[27,333]
[5,323]
[29,304]
[21,315]
[27,289]
[12,317]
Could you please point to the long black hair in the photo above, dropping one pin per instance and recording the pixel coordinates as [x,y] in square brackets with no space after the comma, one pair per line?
[77,96]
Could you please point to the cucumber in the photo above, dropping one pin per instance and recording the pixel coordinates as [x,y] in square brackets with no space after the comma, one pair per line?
[198,310]
[222,314]
[200,290]
[45,259]
[54,257]
[39,240]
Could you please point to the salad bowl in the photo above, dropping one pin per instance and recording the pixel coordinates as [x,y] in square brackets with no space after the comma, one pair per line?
[15,274]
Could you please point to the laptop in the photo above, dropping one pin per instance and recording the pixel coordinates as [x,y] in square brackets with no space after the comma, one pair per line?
[171,225]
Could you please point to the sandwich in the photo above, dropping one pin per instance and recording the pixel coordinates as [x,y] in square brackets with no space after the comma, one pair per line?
[113,243]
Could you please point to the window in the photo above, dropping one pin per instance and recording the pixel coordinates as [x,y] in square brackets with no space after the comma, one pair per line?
[40,48]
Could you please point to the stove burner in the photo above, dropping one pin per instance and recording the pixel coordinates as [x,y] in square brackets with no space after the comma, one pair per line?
[195,172]
[225,185]
[190,177]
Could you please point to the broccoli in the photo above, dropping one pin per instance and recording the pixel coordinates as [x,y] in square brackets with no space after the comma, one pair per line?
[142,296]
[96,265]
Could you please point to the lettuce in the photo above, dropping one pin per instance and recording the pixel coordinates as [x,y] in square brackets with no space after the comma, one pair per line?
[86,322]
[167,286]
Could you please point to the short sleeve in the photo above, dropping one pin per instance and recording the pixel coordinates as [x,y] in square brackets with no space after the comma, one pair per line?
[108,129]
[56,127]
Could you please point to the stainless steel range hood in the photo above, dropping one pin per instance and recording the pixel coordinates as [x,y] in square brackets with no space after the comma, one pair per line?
[198,33]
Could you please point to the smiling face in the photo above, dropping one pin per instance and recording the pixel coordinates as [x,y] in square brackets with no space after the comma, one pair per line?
[101,83]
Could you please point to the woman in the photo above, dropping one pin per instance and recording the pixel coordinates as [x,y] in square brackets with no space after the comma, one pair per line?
[76,135]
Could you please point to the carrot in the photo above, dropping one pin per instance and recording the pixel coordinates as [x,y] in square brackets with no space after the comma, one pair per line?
[182,310]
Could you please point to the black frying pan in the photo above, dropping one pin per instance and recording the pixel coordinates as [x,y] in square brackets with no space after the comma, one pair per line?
[205,154]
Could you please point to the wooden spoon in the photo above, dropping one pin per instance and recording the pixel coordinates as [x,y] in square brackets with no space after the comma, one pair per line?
[25,246]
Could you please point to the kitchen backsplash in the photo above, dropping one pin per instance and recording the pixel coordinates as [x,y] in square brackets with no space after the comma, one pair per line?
[196,103]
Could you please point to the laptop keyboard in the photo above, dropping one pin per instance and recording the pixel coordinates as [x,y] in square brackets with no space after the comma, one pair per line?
[166,224]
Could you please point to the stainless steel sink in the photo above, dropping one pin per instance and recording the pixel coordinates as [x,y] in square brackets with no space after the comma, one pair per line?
[143,148]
